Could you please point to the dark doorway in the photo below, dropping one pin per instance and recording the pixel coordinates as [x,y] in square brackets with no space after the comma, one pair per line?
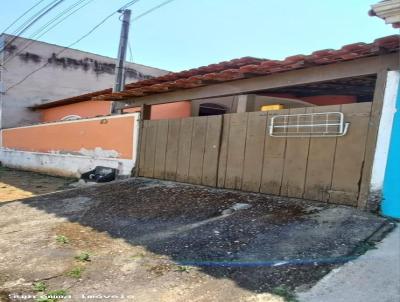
[211,109]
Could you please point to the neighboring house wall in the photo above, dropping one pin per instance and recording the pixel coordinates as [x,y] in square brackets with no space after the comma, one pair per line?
[70,73]
[83,109]
[70,148]
[167,111]
[170,111]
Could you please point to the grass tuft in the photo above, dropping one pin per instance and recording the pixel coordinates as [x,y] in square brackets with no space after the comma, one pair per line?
[76,272]
[62,239]
[84,257]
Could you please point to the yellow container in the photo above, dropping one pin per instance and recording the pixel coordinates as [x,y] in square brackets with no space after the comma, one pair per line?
[272,107]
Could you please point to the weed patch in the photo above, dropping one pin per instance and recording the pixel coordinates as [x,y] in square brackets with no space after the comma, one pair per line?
[84,257]
[62,239]
[76,272]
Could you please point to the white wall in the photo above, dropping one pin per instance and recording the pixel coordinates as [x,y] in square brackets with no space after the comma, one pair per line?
[385,131]
[72,73]
[60,164]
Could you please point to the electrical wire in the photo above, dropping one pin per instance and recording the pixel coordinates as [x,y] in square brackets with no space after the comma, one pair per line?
[23,15]
[130,3]
[26,27]
[44,29]
[152,9]
[31,18]
[141,16]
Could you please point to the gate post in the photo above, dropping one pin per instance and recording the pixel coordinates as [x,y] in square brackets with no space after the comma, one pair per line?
[383,187]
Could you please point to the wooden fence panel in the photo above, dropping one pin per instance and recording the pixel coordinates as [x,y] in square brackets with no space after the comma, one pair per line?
[223,152]
[184,147]
[161,149]
[235,151]
[236,146]
[320,162]
[349,156]
[197,150]
[171,157]
[151,140]
[142,148]
[294,170]
[211,150]
[254,152]
[274,160]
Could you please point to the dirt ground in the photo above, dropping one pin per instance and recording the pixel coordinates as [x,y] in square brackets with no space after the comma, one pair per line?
[17,184]
[146,240]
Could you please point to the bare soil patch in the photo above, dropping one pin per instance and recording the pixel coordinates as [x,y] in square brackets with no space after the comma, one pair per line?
[151,240]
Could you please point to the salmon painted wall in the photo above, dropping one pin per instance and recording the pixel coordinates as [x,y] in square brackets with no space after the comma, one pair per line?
[319,100]
[167,111]
[108,137]
[83,109]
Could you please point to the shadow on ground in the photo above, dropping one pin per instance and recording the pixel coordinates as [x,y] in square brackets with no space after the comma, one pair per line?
[17,184]
[276,242]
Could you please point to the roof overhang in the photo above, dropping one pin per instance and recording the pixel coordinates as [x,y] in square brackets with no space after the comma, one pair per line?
[388,10]
[232,74]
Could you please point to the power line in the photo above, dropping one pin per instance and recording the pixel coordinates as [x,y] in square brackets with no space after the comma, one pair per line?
[141,16]
[130,3]
[26,22]
[39,33]
[25,28]
[152,9]
[61,14]
[23,15]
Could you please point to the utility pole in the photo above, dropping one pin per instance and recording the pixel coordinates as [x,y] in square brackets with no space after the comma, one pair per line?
[119,84]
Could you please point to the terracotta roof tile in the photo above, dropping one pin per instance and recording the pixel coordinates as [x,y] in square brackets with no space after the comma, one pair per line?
[238,69]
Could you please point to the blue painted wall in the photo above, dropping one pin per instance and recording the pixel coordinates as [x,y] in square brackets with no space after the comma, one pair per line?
[391,185]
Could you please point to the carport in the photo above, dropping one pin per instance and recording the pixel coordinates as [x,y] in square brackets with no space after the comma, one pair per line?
[238,150]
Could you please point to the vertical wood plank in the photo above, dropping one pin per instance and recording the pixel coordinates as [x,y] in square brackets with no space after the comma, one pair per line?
[223,152]
[253,157]
[151,140]
[161,148]
[236,147]
[294,172]
[184,146]
[274,159]
[320,162]
[197,150]
[142,151]
[211,150]
[349,155]
[171,157]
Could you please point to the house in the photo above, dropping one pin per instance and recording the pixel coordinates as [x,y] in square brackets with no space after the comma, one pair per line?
[34,72]
[310,126]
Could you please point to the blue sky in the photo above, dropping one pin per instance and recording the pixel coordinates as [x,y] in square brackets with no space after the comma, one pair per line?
[191,33]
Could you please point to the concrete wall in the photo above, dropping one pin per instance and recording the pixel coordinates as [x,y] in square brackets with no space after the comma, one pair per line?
[71,73]
[69,148]
[61,164]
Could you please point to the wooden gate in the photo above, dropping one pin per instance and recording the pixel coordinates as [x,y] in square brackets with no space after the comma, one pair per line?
[235,151]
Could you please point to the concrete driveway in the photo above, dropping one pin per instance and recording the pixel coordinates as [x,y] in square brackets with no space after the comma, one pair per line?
[148,240]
